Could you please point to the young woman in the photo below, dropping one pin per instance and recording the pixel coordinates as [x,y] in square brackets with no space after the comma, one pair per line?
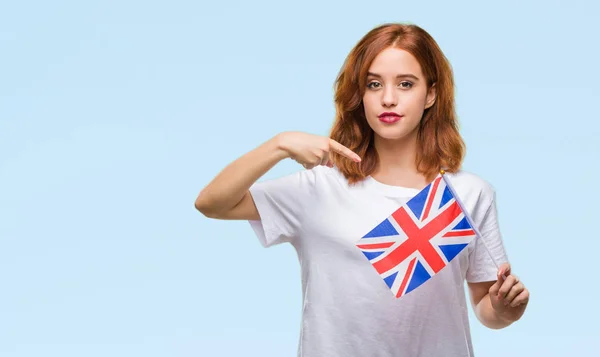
[395,128]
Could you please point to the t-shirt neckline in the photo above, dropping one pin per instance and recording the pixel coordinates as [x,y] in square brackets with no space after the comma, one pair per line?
[390,190]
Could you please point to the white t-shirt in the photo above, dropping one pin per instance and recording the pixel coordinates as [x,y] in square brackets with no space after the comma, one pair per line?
[347,308]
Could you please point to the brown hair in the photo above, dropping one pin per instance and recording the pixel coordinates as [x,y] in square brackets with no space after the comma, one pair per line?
[440,144]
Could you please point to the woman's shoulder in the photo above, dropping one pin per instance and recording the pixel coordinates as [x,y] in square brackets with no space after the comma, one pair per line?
[312,179]
[325,175]
[471,183]
[324,178]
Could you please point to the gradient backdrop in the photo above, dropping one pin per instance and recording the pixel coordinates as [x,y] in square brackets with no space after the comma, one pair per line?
[115,114]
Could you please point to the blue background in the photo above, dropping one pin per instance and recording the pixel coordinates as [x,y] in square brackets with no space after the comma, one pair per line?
[114,115]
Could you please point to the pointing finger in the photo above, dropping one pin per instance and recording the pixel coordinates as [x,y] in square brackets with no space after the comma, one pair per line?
[341,149]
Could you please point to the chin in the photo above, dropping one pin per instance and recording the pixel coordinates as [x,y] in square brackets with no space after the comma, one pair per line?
[391,134]
[398,131]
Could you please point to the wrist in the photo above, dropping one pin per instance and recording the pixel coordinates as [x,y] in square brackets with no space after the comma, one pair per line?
[279,144]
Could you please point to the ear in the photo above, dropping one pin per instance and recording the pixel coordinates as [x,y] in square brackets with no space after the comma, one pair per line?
[431,95]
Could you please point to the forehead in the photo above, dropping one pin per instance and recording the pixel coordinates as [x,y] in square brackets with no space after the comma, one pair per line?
[393,61]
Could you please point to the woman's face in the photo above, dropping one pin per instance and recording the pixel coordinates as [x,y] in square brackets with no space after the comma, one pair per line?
[396,85]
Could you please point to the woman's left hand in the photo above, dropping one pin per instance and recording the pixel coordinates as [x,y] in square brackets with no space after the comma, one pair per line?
[509,297]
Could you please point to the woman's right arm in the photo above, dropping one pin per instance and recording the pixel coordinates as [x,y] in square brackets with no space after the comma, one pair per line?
[227,196]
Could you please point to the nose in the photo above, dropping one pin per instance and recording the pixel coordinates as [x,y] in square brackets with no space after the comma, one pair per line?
[390,97]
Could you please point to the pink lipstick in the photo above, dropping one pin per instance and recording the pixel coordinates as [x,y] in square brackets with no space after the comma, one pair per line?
[389,117]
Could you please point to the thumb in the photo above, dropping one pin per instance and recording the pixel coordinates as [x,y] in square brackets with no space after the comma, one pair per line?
[503,272]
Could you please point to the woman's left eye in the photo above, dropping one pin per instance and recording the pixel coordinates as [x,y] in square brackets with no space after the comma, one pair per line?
[406,84]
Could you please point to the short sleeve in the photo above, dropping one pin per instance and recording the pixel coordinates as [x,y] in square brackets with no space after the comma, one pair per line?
[481,265]
[281,204]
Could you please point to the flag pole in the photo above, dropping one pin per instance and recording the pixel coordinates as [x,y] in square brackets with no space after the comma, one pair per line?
[471,223]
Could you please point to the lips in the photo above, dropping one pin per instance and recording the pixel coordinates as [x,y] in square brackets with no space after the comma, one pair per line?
[389,117]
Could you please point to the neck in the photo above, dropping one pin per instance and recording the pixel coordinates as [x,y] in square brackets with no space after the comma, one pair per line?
[397,161]
[396,155]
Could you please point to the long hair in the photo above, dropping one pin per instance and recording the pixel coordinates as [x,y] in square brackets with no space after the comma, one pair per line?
[439,142]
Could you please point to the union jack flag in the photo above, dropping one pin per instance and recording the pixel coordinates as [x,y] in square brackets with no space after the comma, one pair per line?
[419,239]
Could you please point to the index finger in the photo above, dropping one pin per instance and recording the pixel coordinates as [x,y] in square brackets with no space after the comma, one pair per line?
[341,149]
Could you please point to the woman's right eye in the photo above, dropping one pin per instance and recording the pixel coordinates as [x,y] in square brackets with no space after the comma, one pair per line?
[370,85]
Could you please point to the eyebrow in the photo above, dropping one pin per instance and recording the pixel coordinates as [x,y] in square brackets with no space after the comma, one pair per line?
[406,75]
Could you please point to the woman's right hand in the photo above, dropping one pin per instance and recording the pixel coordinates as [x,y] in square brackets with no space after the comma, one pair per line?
[312,150]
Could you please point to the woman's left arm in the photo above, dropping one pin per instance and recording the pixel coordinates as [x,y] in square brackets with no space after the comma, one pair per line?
[499,303]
